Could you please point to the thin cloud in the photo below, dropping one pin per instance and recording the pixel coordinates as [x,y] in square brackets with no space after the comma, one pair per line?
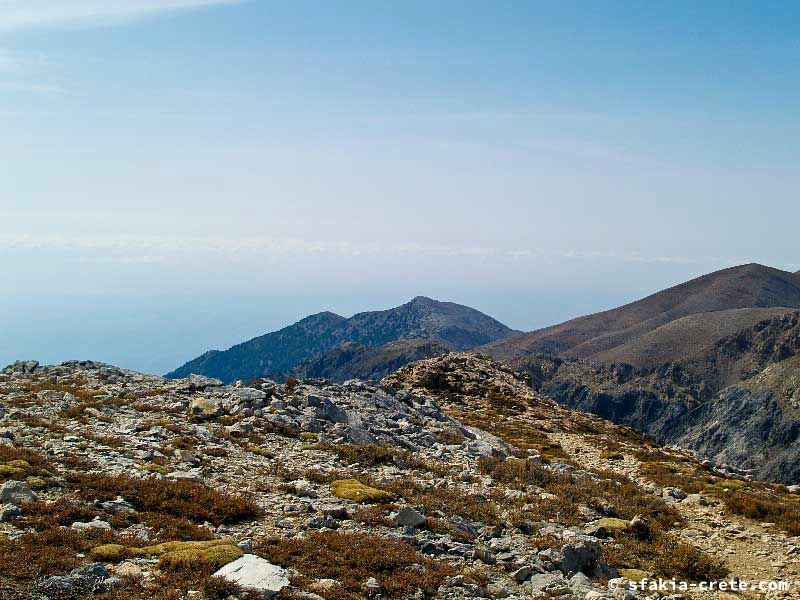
[27,14]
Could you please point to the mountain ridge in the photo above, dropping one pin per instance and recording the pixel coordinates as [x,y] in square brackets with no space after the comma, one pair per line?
[455,326]
[750,286]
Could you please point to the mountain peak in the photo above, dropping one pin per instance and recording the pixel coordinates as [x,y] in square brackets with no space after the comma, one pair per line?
[451,325]
[689,317]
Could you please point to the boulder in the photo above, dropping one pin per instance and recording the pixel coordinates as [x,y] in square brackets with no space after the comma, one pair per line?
[255,574]
[408,517]
[16,492]
[205,408]
[573,558]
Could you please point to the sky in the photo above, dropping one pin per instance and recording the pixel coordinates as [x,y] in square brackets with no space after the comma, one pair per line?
[180,175]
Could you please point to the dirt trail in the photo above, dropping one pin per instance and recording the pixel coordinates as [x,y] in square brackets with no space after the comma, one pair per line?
[752,551]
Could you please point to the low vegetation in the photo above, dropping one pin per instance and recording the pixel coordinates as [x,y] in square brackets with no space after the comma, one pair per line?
[352,558]
[194,501]
[762,502]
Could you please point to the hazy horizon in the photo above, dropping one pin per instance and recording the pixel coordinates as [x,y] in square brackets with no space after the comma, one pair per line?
[182,175]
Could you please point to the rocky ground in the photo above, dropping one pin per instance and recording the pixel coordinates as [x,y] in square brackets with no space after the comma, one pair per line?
[451,479]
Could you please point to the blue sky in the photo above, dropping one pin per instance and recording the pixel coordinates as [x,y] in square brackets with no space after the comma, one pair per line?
[177,175]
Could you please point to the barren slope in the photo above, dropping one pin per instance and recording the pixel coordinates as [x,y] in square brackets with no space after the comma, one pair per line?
[744,287]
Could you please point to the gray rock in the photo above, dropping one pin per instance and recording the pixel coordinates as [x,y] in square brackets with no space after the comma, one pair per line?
[673,493]
[574,557]
[246,545]
[522,573]
[120,505]
[254,573]
[541,583]
[337,511]
[372,587]
[304,489]
[200,382]
[16,492]
[408,517]
[9,512]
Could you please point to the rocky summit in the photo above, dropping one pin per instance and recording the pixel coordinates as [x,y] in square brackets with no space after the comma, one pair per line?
[452,478]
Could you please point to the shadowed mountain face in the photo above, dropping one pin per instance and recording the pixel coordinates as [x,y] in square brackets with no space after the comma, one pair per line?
[454,326]
[670,325]
[352,360]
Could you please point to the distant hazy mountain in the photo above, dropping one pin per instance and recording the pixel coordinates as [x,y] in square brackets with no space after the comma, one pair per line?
[352,360]
[451,325]
[670,325]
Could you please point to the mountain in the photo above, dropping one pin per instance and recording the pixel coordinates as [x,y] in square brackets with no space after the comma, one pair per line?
[739,401]
[452,325]
[352,360]
[670,325]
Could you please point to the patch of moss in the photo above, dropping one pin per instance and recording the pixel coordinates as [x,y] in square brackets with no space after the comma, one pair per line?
[352,489]
[9,471]
[154,468]
[36,483]
[172,554]
[634,574]
[611,524]
[111,553]
[210,558]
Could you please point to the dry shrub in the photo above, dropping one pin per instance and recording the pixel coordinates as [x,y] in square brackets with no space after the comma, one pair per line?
[374,515]
[372,455]
[758,501]
[608,493]
[446,501]
[766,506]
[665,556]
[686,477]
[352,558]
[290,384]
[194,501]
[50,552]
[34,459]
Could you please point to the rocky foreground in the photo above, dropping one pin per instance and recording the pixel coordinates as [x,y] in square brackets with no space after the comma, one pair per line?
[451,479]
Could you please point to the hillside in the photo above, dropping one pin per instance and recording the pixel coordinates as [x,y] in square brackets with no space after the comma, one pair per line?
[738,401]
[452,325]
[730,299]
[451,479]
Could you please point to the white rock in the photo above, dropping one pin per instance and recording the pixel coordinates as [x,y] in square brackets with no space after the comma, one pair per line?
[254,573]
[96,524]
